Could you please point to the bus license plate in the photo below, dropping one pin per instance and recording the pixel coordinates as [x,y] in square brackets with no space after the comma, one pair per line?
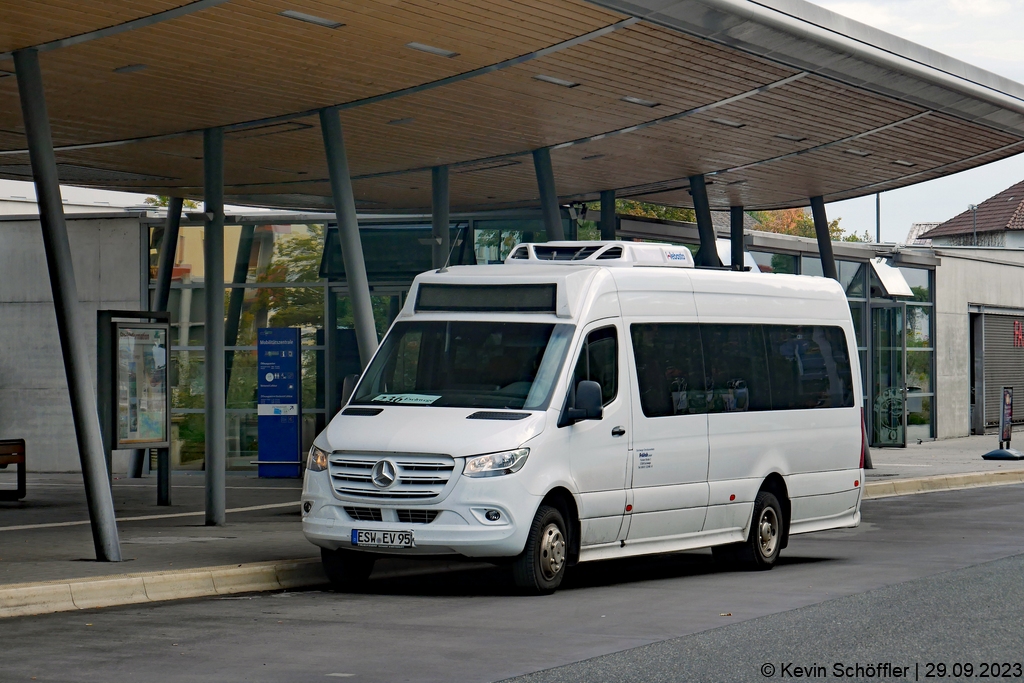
[382,539]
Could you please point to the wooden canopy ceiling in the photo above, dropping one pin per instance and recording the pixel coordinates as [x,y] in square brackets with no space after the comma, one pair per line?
[130,85]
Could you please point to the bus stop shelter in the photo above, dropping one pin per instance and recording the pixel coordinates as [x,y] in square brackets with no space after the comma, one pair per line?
[457,105]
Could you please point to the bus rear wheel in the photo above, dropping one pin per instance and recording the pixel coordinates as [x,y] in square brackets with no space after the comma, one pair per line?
[761,549]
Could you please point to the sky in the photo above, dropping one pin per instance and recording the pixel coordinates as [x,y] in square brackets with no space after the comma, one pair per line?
[986,33]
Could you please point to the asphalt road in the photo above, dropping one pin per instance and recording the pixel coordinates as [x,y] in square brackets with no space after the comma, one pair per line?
[924,579]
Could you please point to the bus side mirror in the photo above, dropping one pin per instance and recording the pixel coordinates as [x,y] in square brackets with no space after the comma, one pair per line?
[588,403]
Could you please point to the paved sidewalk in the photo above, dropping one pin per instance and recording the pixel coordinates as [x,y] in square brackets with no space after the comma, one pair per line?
[46,545]
[950,456]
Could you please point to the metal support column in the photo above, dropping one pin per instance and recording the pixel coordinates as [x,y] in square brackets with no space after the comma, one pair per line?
[70,324]
[828,261]
[236,299]
[736,236]
[708,254]
[168,247]
[441,244]
[213,284]
[608,218]
[332,390]
[548,196]
[348,234]
[162,297]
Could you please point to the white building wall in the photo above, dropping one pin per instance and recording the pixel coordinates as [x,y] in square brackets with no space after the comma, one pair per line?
[991,277]
[34,402]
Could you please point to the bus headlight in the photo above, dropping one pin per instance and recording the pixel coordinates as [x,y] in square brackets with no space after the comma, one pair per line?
[317,459]
[496,464]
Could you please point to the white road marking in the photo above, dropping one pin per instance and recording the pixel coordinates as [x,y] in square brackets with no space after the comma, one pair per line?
[143,518]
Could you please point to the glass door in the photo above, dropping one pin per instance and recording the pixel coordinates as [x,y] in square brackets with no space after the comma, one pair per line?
[888,374]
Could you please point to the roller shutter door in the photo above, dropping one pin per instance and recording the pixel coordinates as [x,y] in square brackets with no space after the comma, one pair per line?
[1004,365]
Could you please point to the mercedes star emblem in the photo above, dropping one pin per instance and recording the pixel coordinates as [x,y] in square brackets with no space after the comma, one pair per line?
[384,474]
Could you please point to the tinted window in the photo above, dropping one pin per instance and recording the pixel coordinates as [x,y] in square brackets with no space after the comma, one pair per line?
[810,367]
[670,368]
[599,362]
[736,367]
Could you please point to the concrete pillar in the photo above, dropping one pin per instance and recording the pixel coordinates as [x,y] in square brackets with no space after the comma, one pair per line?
[441,244]
[708,255]
[828,261]
[608,218]
[348,234]
[213,285]
[548,196]
[70,322]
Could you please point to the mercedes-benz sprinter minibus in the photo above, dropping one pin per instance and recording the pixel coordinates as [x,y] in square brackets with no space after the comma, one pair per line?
[594,400]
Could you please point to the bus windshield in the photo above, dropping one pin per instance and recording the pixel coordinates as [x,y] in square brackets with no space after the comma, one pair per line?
[478,364]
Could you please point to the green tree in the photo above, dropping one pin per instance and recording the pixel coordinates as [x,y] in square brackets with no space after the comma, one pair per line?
[161,200]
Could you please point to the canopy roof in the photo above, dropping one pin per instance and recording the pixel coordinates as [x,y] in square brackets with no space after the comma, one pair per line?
[776,101]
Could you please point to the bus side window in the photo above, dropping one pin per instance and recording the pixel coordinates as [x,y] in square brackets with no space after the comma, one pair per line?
[737,368]
[599,362]
[670,368]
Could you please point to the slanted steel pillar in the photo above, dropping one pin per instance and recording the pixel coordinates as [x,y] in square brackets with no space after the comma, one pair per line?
[70,323]
[548,196]
[708,254]
[213,286]
[608,214]
[162,294]
[828,260]
[736,236]
[236,299]
[441,244]
[348,234]
[168,247]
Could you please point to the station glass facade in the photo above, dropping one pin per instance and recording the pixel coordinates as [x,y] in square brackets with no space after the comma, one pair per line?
[292,275]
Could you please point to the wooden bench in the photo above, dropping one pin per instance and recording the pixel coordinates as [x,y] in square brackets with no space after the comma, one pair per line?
[12,452]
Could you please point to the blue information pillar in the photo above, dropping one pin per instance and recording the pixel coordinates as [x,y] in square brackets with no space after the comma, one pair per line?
[279,404]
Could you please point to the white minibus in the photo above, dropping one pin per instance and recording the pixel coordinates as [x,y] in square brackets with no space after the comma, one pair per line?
[594,400]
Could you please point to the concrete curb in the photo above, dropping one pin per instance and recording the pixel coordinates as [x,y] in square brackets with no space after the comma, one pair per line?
[27,599]
[125,589]
[941,482]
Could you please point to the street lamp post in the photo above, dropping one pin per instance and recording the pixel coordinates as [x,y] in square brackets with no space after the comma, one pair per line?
[974,223]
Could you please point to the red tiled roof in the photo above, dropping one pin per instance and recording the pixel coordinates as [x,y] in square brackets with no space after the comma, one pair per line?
[1004,211]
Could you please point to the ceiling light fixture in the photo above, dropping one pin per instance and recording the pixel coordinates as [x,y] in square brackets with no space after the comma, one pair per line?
[130,68]
[555,81]
[5,74]
[901,162]
[791,138]
[593,156]
[857,152]
[401,122]
[728,122]
[311,19]
[430,49]
[639,100]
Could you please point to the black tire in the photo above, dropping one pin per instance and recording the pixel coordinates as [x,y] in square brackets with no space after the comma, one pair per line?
[765,540]
[541,566]
[347,570]
[761,549]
